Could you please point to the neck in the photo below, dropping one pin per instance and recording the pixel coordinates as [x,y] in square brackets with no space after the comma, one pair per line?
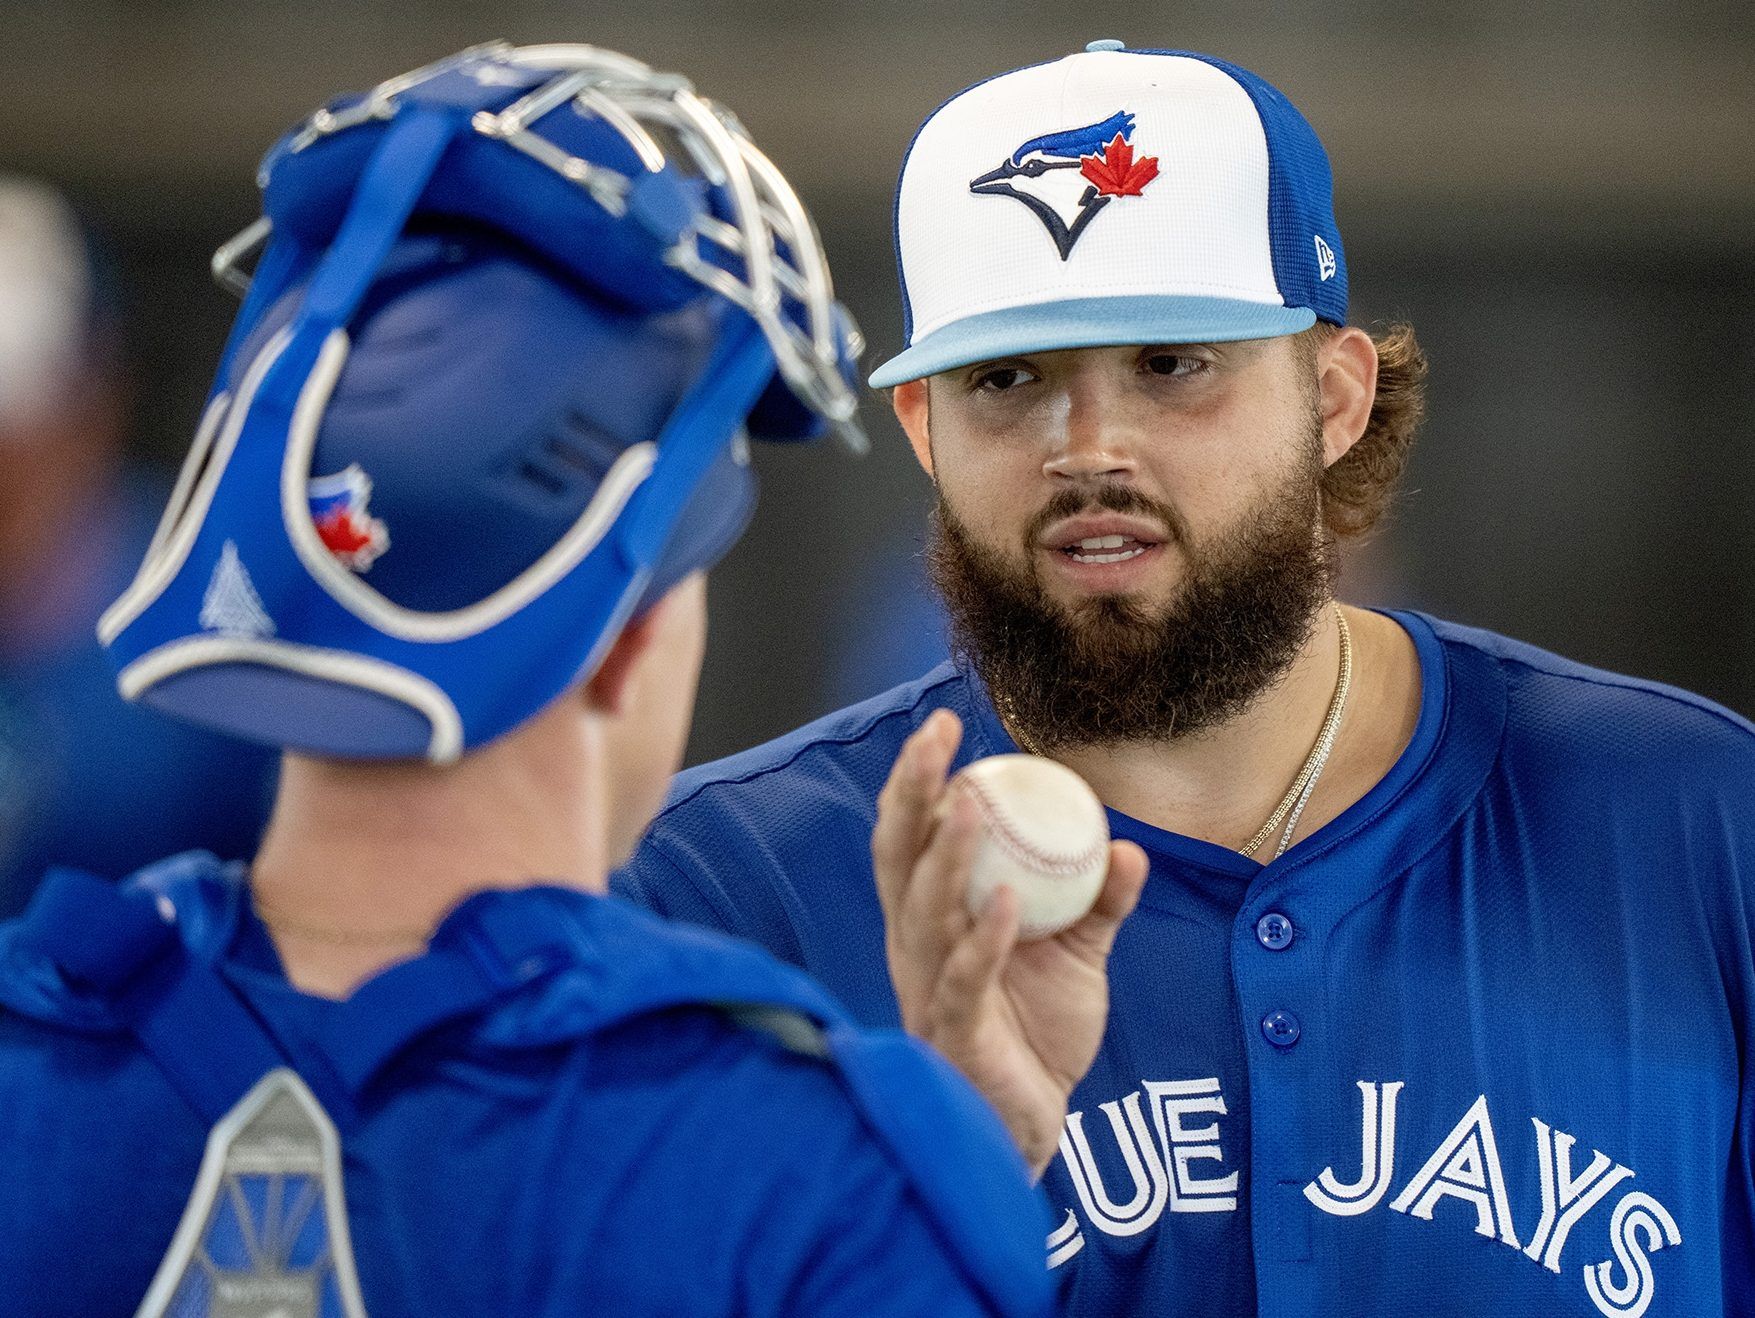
[361,861]
[1222,783]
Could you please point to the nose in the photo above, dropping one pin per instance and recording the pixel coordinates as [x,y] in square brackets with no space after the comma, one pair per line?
[1097,441]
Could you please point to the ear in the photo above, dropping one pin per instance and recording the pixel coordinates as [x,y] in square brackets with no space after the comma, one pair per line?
[914,411]
[1346,376]
[611,687]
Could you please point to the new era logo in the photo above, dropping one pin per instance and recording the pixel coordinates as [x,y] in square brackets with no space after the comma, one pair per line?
[1325,259]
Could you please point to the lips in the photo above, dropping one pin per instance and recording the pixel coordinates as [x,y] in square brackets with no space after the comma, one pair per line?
[1102,539]
[1105,549]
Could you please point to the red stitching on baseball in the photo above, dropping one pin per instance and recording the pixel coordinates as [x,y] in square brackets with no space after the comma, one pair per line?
[1003,831]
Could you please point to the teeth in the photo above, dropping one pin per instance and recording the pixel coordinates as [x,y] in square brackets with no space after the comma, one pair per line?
[1103,542]
[1107,558]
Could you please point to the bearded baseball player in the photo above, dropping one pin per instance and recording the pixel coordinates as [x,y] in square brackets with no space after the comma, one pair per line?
[1438,998]
[478,433]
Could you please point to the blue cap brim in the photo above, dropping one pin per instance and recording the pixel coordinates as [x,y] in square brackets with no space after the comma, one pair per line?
[1094,322]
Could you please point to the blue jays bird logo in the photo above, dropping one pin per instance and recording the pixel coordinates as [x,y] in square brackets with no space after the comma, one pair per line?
[1041,174]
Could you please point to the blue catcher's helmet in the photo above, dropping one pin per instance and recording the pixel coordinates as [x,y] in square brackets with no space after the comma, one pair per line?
[486,398]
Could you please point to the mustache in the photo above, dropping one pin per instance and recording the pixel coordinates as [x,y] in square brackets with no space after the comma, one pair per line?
[1107,496]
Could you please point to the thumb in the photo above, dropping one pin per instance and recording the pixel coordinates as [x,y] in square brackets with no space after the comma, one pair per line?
[1094,935]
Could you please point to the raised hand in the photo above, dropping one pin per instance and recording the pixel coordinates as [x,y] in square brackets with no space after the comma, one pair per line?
[1022,1020]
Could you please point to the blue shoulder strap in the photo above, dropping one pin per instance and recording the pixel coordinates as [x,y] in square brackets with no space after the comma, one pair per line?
[126,955]
[122,943]
[946,1141]
[955,1154]
[944,1138]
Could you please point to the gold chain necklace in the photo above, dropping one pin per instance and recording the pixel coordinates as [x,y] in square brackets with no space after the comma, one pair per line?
[1291,806]
[1297,796]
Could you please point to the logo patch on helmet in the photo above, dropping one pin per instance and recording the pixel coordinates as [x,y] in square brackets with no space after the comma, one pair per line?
[1040,175]
[345,523]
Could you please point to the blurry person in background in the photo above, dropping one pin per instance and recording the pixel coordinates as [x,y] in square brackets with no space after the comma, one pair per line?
[84,779]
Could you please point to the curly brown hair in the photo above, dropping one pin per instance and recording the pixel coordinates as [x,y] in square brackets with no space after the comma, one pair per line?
[1358,489]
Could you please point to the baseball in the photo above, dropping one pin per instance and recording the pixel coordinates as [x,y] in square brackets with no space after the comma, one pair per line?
[1043,834]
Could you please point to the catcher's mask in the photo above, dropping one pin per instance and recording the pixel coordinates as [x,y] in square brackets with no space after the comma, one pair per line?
[487,398]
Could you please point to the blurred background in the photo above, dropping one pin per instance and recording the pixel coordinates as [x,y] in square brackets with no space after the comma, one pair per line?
[1564,209]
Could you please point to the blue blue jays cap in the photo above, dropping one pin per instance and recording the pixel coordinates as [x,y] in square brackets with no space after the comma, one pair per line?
[514,317]
[1112,197]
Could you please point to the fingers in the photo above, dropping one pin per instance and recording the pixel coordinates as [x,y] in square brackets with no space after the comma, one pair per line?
[907,804]
[1128,867]
[972,972]
[1093,936]
[932,914]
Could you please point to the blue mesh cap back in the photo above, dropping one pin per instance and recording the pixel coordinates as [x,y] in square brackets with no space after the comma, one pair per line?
[1300,197]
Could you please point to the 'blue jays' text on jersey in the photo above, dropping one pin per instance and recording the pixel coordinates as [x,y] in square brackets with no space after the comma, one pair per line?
[1480,1046]
[597,1140]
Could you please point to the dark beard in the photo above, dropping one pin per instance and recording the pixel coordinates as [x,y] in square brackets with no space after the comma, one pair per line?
[1110,671]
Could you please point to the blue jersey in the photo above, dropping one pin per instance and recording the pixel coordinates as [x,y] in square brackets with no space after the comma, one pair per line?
[1482,1045]
[564,1107]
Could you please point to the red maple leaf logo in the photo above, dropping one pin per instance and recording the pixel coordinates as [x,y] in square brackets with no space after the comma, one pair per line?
[343,536]
[1116,173]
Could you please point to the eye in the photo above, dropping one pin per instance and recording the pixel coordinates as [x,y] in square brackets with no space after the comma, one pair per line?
[999,379]
[1173,364]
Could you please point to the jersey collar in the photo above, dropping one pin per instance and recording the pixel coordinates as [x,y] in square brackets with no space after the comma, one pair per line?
[1455,741]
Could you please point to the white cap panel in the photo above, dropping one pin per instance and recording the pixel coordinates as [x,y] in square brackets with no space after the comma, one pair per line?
[966,253]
